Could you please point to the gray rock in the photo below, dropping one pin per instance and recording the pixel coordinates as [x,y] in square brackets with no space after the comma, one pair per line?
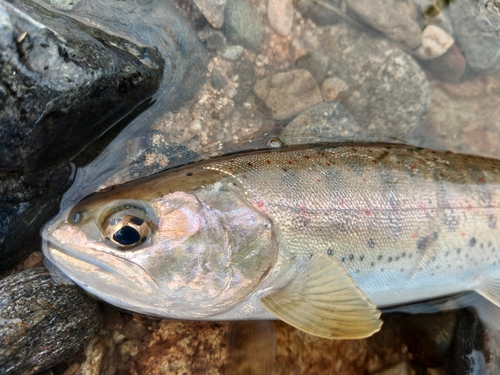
[389,92]
[42,323]
[61,86]
[326,122]
[213,10]
[242,24]
[316,63]
[317,13]
[27,202]
[477,27]
[394,18]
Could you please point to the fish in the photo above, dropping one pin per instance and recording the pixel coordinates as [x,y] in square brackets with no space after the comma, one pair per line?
[322,238]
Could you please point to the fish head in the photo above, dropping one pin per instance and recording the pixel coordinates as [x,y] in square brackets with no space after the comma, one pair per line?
[177,254]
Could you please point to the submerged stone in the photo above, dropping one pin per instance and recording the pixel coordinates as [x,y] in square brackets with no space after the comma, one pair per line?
[41,322]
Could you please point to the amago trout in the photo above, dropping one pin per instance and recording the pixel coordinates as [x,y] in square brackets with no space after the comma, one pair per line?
[320,238]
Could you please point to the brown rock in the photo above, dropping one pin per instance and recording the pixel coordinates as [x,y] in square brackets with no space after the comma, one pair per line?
[287,94]
[449,67]
[280,16]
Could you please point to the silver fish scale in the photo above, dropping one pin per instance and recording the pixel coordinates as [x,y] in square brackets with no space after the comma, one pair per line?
[394,217]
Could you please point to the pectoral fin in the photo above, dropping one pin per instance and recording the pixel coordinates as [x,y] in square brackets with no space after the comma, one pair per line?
[324,301]
[490,290]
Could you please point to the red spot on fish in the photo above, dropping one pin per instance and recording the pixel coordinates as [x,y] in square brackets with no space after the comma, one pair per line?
[375,161]
[480,180]
[414,235]
[462,234]
[318,180]
[469,206]
[413,167]
[368,169]
[364,179]
[268,161]
[340,201]
[231,168]
[259,204]
[290,162]
[368,213]
[354,149]
[250,164]
[284,169]
[244,176]
[307,156]
[266,183]
[327,163]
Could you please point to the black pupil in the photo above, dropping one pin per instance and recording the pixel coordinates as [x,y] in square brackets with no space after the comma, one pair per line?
[127,236]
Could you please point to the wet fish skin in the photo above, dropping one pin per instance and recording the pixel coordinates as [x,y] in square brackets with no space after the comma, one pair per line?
[404,224]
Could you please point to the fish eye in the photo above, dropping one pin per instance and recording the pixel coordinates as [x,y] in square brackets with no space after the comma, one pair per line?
[127,228]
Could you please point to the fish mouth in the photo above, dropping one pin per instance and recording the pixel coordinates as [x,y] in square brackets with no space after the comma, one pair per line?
[110,278]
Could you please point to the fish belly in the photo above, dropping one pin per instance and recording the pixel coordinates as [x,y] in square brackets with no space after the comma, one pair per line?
[407,224]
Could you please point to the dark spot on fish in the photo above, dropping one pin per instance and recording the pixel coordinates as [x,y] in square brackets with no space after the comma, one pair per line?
[361,257]
[435,235]
[403,255]
[310,255]
[234,184]
[389,259]
[351,257]
[250,164]
[397,258]
[329,252]
[327,163]
[381,270]
[375,161]
[343,259]
[244,176]
[268,161]
[481,245]
[136,220]
[459,250]
[290,162]
[489,243]
[371,243]
[402,270]
[307,156]
[410,256]
[472,242]
[284,169]
[189,174]
[380,257]
[433,259]
[492,221]
[447,253]
[373,264]
[423,243]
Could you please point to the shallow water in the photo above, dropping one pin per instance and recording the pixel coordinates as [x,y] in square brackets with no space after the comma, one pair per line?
[412,72]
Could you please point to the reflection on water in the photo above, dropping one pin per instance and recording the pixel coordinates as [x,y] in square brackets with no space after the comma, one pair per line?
[283,73]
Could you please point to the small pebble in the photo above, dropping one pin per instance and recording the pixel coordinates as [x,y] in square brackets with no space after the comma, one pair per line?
[280,16]
[435,42]
[334,89]
[289,93]
[231,52]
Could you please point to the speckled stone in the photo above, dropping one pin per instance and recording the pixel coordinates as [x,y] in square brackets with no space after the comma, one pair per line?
[477,26]
[323,122]
[389,92]
[242,24]
[42,323]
